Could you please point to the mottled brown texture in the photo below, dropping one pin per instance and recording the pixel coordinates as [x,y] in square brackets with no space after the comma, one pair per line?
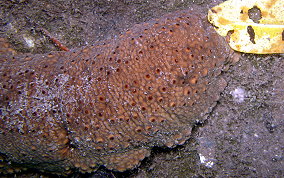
[110,103]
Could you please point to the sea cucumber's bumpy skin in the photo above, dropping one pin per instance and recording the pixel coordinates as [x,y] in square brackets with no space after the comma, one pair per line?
[109,103]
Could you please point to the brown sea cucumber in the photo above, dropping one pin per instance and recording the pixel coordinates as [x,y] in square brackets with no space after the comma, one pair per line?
[110,103]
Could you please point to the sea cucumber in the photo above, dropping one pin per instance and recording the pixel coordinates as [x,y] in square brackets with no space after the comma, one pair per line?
[110,103]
